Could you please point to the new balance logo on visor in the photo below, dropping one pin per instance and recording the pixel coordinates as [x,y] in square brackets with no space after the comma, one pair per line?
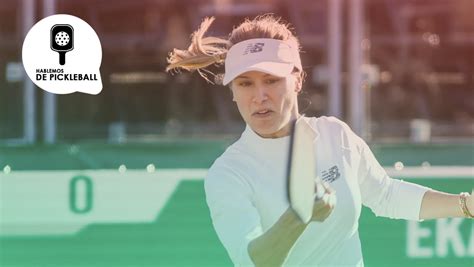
[276,57]
[253,48]
[331,175]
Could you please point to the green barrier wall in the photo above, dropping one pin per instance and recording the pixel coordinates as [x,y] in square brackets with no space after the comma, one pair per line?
[117,229]
[198,153]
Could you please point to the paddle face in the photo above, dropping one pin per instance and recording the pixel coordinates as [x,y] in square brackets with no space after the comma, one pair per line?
[302,170]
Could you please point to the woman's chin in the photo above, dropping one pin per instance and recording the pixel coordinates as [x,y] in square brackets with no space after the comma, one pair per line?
[268,131]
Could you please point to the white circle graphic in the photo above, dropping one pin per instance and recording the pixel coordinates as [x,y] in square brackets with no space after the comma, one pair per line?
[43,48]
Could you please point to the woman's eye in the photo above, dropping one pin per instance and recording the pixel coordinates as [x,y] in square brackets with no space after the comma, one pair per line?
[272,81]
[245,84]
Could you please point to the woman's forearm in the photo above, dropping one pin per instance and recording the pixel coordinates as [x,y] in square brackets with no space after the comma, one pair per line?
[271,248]
[437,204]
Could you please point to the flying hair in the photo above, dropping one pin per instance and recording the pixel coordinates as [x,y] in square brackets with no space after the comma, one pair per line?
[203,52]
[207,51]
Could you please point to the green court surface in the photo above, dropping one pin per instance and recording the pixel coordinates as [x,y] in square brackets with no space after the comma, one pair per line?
[180,232]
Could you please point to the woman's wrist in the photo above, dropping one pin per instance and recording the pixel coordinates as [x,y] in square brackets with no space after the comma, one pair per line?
[293,220]
[465,203]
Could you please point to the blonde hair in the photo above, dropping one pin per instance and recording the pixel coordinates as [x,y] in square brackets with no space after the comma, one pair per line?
[206,51]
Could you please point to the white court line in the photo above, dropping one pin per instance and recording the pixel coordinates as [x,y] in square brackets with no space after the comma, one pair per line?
[433,172]
[199,173]
[464,172]
[409,172]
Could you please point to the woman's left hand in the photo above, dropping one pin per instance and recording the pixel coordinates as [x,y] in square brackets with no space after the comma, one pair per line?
[470,203]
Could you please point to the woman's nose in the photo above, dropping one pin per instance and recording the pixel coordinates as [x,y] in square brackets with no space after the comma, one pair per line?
[260,94]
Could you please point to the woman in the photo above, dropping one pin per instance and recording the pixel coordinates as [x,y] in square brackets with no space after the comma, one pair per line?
[245,187]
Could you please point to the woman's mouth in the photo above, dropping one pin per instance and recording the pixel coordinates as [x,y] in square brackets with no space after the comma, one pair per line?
[263,113]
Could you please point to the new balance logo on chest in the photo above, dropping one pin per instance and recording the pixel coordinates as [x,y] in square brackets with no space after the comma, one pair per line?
[331,175]
[254,48]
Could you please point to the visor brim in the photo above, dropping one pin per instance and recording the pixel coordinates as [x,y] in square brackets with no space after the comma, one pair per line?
[274,68]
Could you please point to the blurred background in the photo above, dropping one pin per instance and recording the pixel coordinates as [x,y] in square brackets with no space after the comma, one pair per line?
[399,72]
[417,61]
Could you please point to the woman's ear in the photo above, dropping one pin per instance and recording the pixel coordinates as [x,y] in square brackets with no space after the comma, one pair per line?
[298,84]
[232,92]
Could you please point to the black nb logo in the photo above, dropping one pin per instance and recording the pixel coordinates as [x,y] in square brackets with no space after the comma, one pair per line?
[254,48]
[331,175]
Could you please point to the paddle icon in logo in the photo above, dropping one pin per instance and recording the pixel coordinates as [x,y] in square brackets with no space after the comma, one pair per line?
[62,40]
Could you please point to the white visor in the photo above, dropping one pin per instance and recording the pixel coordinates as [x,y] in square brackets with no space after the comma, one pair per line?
[271,56]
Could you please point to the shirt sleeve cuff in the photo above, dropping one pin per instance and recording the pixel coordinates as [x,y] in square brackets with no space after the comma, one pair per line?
[245,260]
[410,199]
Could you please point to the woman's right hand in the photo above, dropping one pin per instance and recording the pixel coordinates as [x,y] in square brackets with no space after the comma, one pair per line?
[324,204]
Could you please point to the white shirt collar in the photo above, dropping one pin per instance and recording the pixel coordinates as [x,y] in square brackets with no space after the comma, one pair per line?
[267,146]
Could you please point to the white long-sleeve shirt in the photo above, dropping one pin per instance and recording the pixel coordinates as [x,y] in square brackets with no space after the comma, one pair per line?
[246,194]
